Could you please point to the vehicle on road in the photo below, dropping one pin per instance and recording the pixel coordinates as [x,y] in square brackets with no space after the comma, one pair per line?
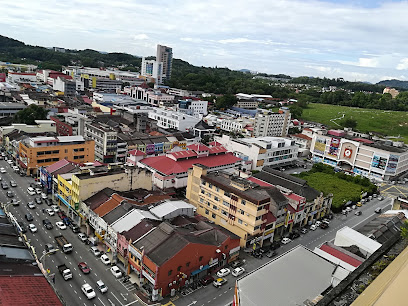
[275,245]
[313,227]
[15,202]
[32,228]
[304,230]
[219,282]
[238,271]
[84,268]
[38,190]
[2,170]
[22,227]
[116,271]
[380,198]
[105,259]
[358,213]
[50,211]
[9,161]
[16,168]
[286,240]
[75,228]
[95,251]
[271,254]
[101,286]
[348,209]
[4,185]
[324,225]
[13,184]
[38,200]
[317,223]
[354,207]
[44,195]
[31,205]
[294,235]
[29,217]
[61,225]
[49,248]
[237,263]
[64,271]
[88,291]
[82,237]
[208,279]
[30,191]
[63,243]
[359,204]
[378,210]
[55,208]
[10,194]
[48,202]
[223,272]
[47,224]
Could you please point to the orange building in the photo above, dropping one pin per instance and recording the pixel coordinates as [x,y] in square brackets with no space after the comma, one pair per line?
[35,152]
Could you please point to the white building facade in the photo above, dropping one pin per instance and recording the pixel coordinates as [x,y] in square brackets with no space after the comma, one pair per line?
[272,124]
[173,120]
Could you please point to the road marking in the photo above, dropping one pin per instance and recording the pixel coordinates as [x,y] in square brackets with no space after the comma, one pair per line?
[116,298]
[75,291]
[101,301]
[70,285]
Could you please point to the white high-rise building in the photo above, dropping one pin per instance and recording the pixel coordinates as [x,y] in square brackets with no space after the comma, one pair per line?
[153,69]
[272,124]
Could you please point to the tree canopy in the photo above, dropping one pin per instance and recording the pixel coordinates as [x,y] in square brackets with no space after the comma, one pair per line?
[30,114]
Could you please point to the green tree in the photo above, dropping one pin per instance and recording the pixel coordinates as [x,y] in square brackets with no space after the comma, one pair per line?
[404,230]
[296,111]
[30,114]
[225,101]
[349,122]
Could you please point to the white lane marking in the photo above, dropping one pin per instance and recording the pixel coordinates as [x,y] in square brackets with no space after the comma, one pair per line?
[101,301]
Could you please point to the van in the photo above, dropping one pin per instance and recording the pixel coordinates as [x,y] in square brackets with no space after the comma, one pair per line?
[31,191]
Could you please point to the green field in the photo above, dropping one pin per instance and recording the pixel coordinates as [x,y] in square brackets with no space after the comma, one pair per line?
[342,190]
[388,123]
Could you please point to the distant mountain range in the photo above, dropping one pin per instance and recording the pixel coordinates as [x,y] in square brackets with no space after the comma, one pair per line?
[394,83]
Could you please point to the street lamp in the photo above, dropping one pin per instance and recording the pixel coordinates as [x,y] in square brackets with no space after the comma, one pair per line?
[45,272]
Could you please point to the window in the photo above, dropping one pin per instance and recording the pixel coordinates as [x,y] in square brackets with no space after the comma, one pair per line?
[207,212]
[215,207]
[201,200]
[259,208]
[179,268]
[170,271]
[213,215]
[66,150]
[239,221]
[242,212]
[226,246]
[187,264]
[209,185]
[227,194]
[202,191]
[200,259]
[243,202]
[257,227]
[258,218]
[224,212]
[216,198]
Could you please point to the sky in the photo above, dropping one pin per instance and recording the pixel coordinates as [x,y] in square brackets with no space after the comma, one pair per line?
[356,40]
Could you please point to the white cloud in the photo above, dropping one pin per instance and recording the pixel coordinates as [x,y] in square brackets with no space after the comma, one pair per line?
[403,64]
[270,36]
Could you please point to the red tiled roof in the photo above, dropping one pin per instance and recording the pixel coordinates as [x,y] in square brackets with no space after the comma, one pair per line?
[198,147]
[27,290]
[259,182]
[109,205]
[214,144]
[217,150]
[23,73]
[169,166]
[59,164]
[340,255]
[363,140]
[136,152]
[291,209]
[303,136]
[183,154]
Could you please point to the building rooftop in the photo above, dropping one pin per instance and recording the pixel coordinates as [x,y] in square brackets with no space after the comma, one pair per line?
[165,208]
[286,280]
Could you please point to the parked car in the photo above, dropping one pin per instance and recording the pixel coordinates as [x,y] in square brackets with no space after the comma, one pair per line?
[105,259]
[208,279]
[30,191]
[317,223]
[44,195]
[275,245]
[378,210]
[75,228]
[286,240]
[31,205]
[15,202]
[304,230]
[324,225]
[101,286]
[223,272]
[359,204]
[2,170]
[219,282]
[10,194]
[358,213]
[237,263]
[61,225]
[83,237]
[50,211]
[95,251]
[313,227]
[55,208]
[271,254]
[38,190]
[13,184]
[4,185]
[116,271]
[380,198]
[88,291]
[38,200]
[84,268]
[238,271]
[48,202]
[294,235]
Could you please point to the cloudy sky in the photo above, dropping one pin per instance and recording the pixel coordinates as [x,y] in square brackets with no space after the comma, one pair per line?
[363,40]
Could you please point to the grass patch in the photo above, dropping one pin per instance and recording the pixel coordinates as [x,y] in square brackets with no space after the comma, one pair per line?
[388,123]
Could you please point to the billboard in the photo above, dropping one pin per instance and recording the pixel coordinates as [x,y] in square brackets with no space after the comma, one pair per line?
[379,162]
[320,145]
[334,147]
[392,163]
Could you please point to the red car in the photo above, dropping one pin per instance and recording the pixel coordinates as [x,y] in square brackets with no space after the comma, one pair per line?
[84,268]
[208,279]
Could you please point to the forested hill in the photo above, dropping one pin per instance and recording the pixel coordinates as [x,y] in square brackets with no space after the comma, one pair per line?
[14,51]
[394,83]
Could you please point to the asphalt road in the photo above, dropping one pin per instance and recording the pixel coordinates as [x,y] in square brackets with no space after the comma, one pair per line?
[210,295]
[118,292]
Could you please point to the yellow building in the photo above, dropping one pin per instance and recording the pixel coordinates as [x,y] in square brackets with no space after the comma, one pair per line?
[239,206]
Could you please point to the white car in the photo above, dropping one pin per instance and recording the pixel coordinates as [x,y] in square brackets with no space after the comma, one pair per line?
[105,259]
[88,291]
[55,208]
[30,191]
[238,271]
[50,211]
[116,271]
[82,237]
[313,227]
[101,286]
[9,161]
[44,195]
[286,240]
[318,223]
[223,272]
[61,225]
[95,251]
[32,228]
[15,168]
[2,170]
[38,190]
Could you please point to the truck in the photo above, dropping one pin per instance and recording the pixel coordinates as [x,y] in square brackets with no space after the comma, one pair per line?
[63,243]
[64,271]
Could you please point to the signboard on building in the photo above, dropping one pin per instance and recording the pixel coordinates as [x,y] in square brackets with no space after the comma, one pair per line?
[320,145]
